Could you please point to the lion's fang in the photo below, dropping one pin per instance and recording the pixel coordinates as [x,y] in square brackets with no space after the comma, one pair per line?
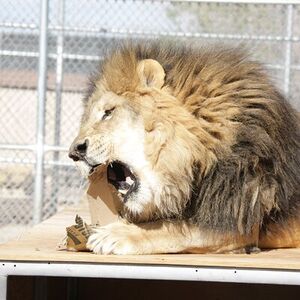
[122,191]
[129,180]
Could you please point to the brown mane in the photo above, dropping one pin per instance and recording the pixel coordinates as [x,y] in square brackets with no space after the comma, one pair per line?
[240,120]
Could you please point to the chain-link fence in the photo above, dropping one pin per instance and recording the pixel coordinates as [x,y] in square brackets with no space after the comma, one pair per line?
[47,50]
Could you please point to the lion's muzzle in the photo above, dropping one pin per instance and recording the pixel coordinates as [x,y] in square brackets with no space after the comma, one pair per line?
[78,150]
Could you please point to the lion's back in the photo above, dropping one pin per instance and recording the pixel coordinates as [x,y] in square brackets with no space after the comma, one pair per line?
[235,101]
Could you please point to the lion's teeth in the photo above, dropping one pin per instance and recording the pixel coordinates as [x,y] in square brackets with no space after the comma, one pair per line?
[129,180]
[122,192]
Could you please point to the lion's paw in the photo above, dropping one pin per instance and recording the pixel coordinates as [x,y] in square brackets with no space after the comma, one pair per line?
[116,238]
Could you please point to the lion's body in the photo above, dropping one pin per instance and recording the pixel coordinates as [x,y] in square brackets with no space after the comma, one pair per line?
[220,142]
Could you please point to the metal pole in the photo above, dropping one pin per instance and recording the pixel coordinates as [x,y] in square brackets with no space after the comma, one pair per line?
[42,87]
[59,71]
[58,92]
[1,38]
[289,35]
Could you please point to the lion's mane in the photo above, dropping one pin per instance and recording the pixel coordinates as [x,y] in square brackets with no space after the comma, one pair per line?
[244,122]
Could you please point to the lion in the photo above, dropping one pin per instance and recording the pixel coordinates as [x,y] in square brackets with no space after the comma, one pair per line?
[201,147]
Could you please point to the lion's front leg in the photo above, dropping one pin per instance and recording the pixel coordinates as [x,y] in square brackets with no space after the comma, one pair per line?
[161,237]
[148,238]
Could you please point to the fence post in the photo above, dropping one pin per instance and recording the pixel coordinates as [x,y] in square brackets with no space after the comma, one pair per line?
[289,35]
[55,188]
[40,135]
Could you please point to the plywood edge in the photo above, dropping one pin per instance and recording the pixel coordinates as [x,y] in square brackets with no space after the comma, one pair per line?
[219,260]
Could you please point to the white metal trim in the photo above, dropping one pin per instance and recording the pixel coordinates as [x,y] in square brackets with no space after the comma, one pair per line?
[97,58]
[3,287]
[145,34]
[33,162]
[70,56]
[155,272]
[17,25]
[124,32]
[31,147]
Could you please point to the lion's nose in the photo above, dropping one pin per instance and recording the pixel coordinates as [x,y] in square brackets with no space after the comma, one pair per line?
[78,150]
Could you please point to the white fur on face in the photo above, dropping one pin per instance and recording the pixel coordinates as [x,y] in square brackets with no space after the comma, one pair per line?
[120,138]
[129,149]
[83,168]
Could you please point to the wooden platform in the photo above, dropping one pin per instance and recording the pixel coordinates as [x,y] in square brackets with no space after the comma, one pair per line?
[39,245]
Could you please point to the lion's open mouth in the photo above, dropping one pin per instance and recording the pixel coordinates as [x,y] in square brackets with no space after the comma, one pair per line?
[122,178]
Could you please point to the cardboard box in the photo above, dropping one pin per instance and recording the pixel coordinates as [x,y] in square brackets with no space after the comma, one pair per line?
[102,198]
[103,206]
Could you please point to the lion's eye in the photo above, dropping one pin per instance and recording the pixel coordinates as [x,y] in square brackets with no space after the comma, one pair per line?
[107,114]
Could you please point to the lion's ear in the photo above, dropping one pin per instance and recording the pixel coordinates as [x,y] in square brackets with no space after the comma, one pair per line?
[151,73]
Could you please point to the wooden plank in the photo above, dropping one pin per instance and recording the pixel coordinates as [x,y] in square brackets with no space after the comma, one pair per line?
[39,245]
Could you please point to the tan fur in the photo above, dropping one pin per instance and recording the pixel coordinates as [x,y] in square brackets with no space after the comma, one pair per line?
[196,126]
[163,237]
[285,235]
